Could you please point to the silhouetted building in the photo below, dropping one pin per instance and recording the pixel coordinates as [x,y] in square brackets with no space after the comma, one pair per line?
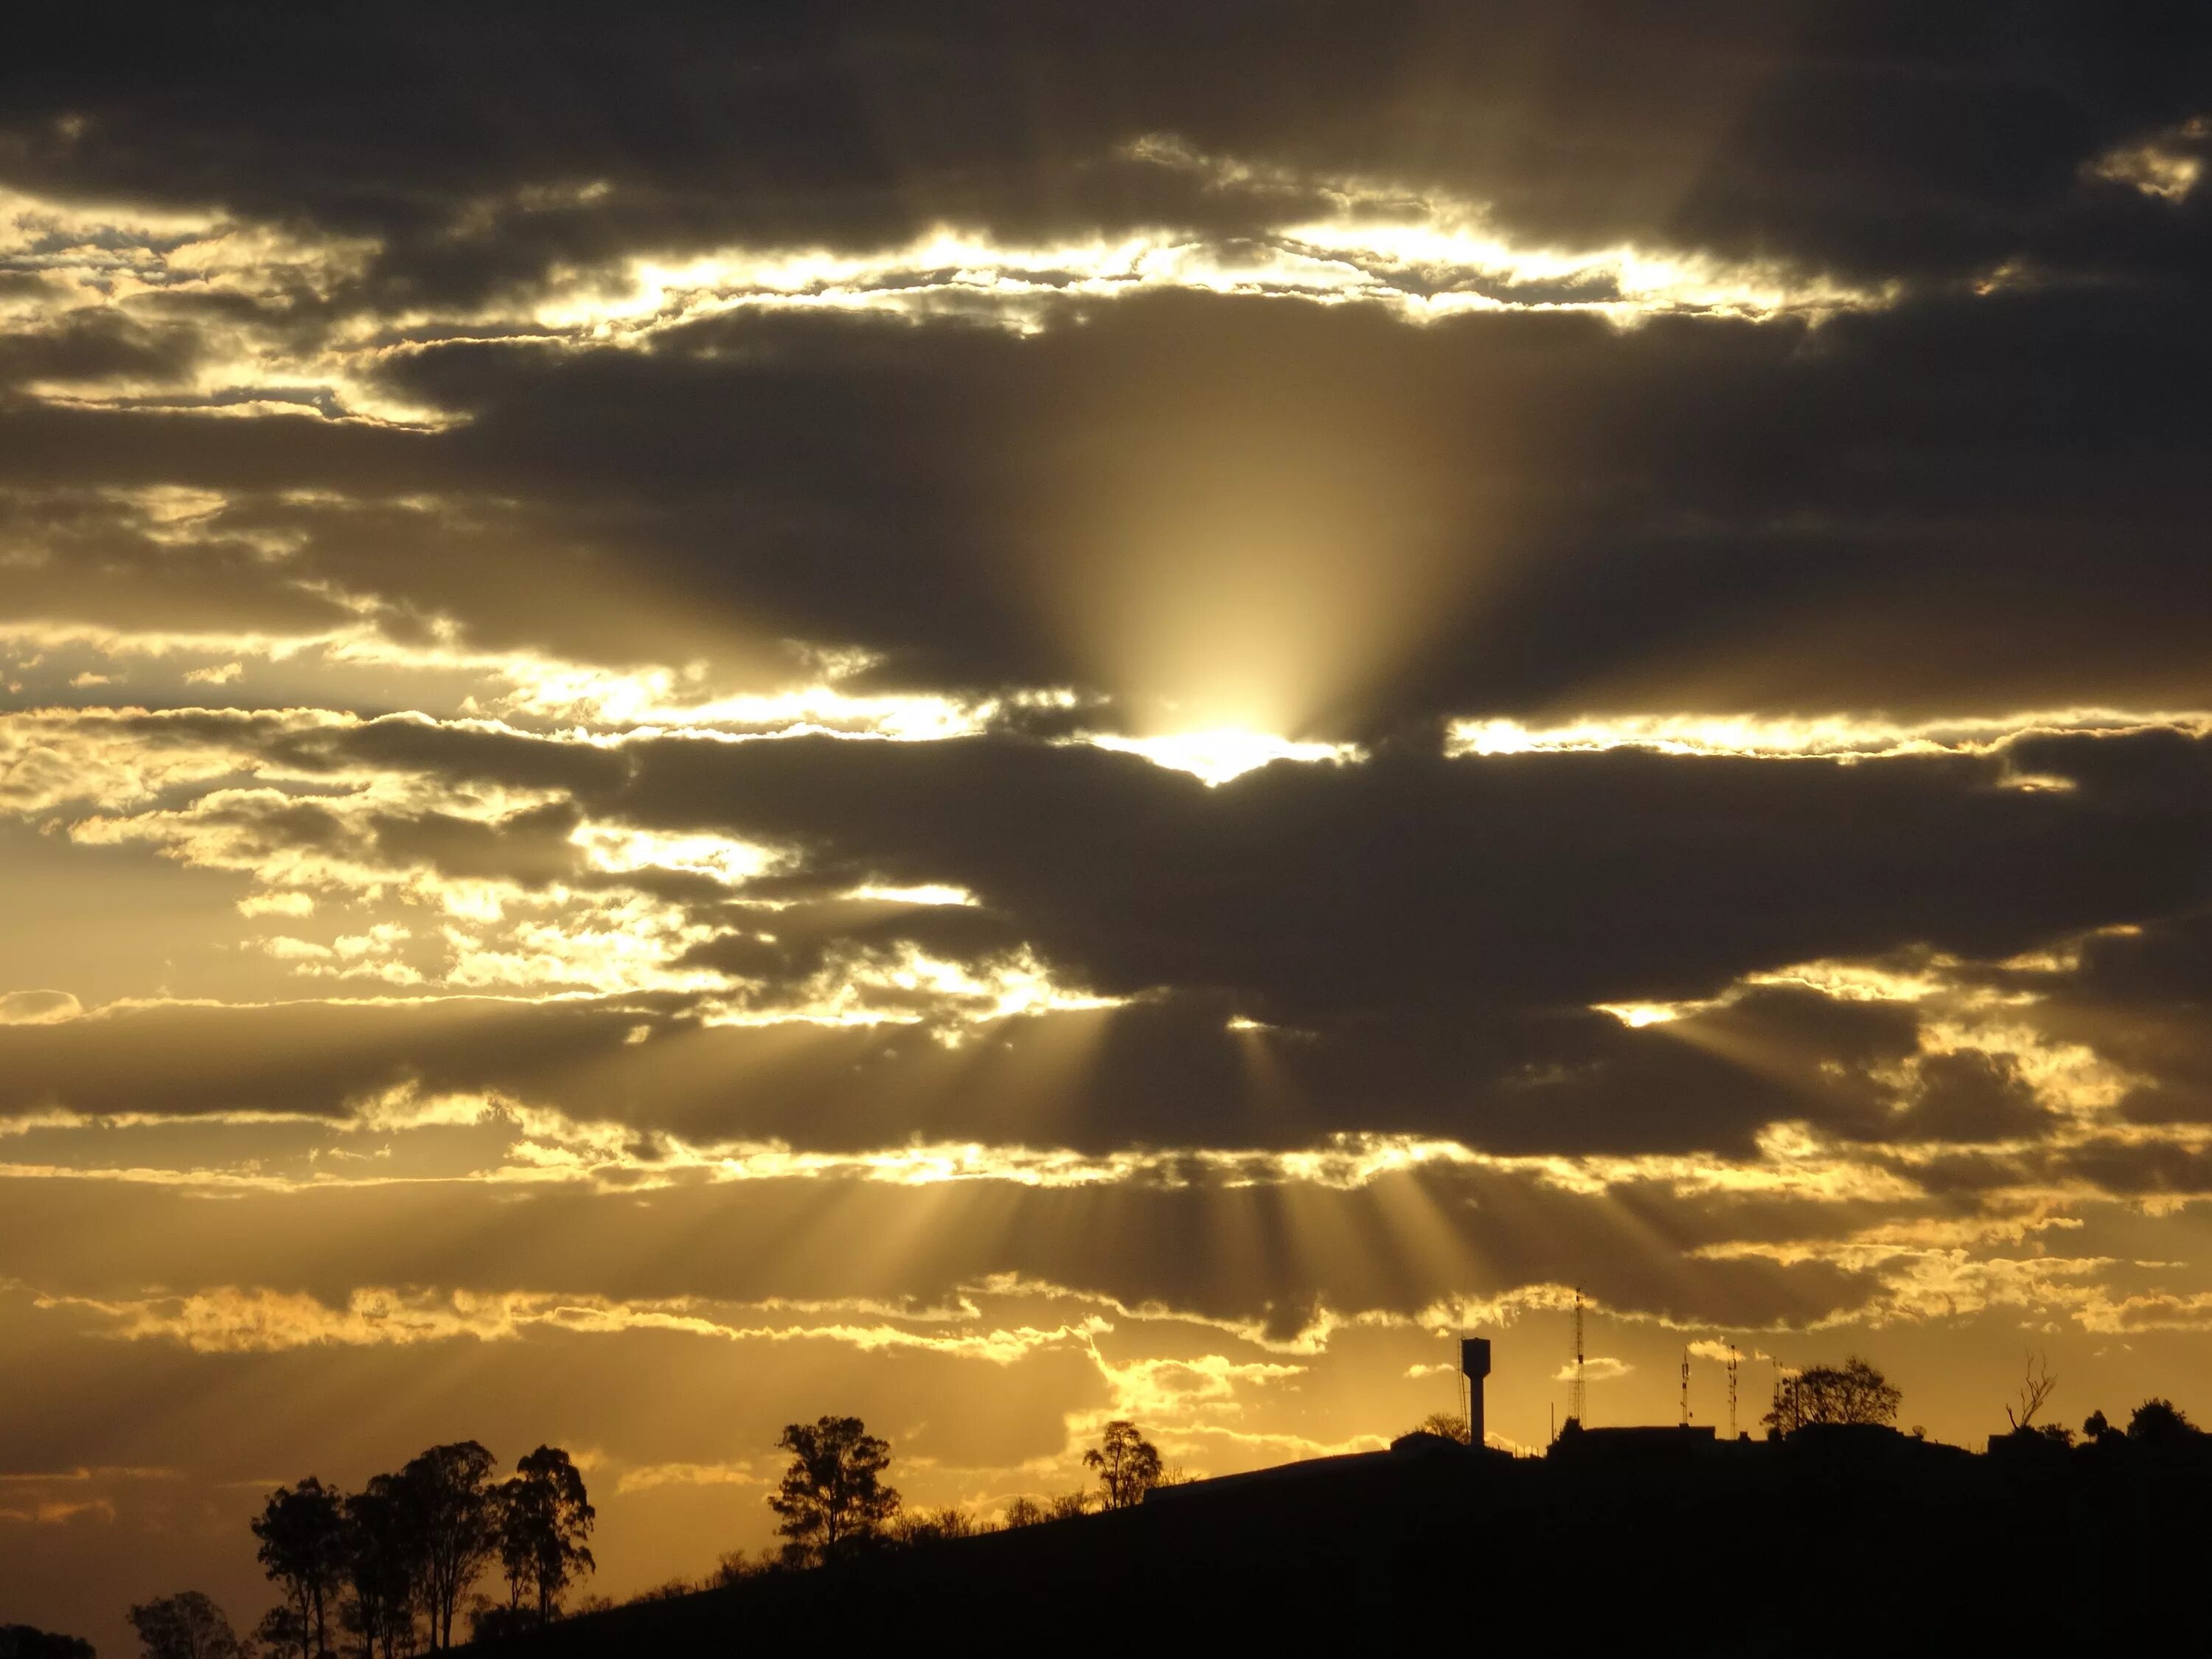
[1641,1443]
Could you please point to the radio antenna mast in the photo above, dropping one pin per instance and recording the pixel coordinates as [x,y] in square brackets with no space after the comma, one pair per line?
[1685,1387]
[1578,1393]
[1731,1392]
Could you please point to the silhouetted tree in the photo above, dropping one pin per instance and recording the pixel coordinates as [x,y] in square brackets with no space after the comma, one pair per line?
[2096,1426]
[1068,1506]
[302,1534]
[2035,1389]
[930,1526]
[1854,1392]
[384,1566]
[1128,1465]
[1448,1426]
[544,1517]
[1023,1512]
[450,1508]
[185,1625]
[281,1631]
[2160,1423]
[832,1495]
[25,1642]
[492,1621]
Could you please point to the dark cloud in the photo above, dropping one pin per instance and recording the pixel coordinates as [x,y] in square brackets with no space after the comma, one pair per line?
[78,556]
[1166,1074]
[806,938]
[1299,893]
[1968,501]
[1884,137]
[2143,1169]
[1413,880]
[533,847]
[2136,996]
[1969,505]
[96,344]
[467,754]
[1444,991]
[1967,1095]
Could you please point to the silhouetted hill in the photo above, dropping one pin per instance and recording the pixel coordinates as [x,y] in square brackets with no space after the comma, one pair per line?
[1832,1540]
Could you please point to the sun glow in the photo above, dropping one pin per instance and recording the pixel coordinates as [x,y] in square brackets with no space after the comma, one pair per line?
[929,893]
[1217,757]
[620,850]
[1636,1016]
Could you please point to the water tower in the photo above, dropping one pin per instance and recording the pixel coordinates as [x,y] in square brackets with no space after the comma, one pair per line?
[1473,1366]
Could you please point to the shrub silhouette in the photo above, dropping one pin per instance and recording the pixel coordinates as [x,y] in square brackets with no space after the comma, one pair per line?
[930,1526]
[185,1625]
[1448,1425]
[24,1641]
[2158,1422]
[282,1632]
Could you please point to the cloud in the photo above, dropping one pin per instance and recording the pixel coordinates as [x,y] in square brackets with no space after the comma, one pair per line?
[60,1513]
[1138,714]
[1712,144]
[653,1475]
[228,1320]
[1595,1368]
[1239,893]
[2167,167]
[37,1007]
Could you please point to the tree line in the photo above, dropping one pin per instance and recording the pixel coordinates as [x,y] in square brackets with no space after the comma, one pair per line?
[1857,1393]
[389,1570]
[833,1502]
[394,1565]
[2158,1425]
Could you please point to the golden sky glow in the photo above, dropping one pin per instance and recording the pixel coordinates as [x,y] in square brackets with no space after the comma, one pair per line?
[1124,729]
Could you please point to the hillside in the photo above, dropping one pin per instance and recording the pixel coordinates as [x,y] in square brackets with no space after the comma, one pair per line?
[1819,1544]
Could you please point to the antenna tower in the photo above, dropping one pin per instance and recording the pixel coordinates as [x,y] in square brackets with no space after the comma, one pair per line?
[1685,1387]
[1731,1391]
[1578,1394]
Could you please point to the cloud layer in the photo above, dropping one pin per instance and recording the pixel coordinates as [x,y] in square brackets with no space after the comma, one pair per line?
[1010,720]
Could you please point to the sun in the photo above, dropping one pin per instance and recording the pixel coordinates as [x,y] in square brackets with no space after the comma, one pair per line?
[1216,756]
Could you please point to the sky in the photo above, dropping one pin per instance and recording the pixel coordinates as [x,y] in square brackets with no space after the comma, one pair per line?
[1001,715]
